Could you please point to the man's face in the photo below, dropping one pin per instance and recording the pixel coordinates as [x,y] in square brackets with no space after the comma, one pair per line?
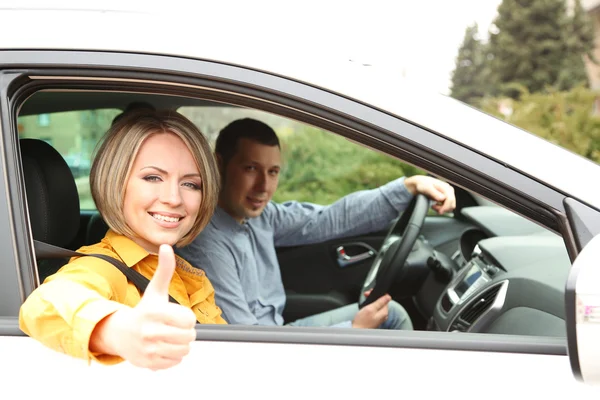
[250,179]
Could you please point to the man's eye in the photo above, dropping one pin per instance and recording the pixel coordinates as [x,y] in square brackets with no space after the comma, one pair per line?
[274,172]
[250,168]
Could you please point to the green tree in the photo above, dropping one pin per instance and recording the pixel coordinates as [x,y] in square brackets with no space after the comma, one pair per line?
[536,44]
[528,47]
[579,40]
[469,78]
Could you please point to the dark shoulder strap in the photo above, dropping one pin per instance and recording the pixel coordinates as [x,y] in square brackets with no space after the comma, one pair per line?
[45,250]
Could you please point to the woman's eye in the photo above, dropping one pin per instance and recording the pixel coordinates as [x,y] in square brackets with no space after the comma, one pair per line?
[192,185]
[152,178]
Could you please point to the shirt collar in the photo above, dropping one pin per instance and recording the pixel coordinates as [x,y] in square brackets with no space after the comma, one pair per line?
[130,252]
[225,222]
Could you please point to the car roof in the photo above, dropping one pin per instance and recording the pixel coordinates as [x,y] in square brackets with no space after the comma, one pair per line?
[122,27]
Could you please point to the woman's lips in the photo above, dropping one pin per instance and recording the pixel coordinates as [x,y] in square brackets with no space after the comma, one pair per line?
[172,222]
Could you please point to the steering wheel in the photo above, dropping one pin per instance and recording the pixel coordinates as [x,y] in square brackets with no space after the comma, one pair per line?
[395,250]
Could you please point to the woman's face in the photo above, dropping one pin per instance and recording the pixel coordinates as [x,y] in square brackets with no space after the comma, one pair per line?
[163,194]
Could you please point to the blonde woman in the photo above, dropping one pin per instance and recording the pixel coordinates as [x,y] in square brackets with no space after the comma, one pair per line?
[154,181]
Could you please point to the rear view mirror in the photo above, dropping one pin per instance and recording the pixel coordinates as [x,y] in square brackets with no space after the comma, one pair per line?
[582,297]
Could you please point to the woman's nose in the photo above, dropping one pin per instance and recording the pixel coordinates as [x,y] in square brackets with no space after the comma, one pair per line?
[170,194]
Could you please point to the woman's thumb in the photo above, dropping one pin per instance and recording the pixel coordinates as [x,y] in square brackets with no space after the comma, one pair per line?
[158,288]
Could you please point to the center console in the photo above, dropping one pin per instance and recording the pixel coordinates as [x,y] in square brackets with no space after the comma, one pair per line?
[467,296]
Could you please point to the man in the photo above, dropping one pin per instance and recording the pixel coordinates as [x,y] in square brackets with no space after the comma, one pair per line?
[237,248]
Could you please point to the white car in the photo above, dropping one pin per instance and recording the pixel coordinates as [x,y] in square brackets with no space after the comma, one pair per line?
[499,309]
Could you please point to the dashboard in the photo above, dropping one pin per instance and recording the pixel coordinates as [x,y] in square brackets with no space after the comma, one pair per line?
[508,277]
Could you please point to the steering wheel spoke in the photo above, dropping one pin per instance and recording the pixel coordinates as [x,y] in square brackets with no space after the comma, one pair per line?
[396,247]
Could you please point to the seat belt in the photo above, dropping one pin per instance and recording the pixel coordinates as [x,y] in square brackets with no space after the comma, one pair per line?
[45,250]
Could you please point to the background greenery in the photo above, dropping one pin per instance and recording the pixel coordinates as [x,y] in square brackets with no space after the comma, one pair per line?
[531,72]
[532,44]
[321,167]
[566,118]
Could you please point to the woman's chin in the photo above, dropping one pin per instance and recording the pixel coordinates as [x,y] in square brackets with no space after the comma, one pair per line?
[159,240]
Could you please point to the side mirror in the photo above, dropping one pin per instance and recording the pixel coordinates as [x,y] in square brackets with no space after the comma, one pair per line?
[582,300]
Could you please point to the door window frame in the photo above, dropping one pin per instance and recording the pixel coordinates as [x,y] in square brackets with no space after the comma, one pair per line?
[72,70]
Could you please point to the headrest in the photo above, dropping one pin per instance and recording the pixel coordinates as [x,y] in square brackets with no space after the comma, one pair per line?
[52,196]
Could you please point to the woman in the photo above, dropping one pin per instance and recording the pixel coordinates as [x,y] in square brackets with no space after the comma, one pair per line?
[155,183]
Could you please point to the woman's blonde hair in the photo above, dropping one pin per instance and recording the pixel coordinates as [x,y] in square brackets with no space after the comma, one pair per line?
[117,151]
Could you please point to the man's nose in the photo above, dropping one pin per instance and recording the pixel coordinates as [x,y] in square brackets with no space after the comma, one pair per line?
[261,183]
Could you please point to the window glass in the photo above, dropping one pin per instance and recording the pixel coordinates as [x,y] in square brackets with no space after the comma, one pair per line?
[74,135]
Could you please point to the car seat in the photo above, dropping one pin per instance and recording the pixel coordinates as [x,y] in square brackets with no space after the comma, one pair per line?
[52,199]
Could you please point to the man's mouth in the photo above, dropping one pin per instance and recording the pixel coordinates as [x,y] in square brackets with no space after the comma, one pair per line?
[255,202]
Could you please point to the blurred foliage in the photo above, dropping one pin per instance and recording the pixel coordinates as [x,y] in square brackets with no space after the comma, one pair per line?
[538,43]
[320,167]
[566,118]
[533,43]
[471,76]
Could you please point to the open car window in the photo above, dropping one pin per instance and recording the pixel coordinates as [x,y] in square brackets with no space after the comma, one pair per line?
[496,262]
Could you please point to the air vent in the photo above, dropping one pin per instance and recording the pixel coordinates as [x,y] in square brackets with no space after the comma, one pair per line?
[475,309]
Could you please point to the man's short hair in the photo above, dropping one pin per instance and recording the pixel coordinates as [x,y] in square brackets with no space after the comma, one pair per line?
[245,128]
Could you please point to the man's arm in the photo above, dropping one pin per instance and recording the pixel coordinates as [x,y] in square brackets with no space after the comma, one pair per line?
[360,212]
[223,275]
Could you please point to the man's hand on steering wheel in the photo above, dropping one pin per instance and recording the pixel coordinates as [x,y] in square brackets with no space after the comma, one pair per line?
[436,190]
[374,314]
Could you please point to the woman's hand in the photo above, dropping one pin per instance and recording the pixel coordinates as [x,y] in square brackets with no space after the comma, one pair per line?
[154,334]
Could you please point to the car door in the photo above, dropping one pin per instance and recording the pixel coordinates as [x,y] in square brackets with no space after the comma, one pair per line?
[272,362]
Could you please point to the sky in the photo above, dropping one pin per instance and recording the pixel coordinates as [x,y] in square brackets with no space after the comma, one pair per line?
[417,39]
[420,39]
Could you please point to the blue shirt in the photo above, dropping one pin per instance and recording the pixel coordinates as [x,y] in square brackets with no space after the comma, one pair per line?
[240,259]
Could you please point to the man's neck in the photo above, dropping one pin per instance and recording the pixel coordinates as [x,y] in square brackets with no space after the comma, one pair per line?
[237,219]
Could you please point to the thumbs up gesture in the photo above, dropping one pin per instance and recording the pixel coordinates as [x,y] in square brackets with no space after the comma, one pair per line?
[154,334]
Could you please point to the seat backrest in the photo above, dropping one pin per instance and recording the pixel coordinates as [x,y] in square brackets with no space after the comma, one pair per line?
[52,199]
[96,229]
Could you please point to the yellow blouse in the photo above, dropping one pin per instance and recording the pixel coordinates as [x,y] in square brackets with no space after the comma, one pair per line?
[63,311]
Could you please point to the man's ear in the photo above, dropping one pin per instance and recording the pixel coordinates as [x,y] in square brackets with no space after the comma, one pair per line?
[219,163]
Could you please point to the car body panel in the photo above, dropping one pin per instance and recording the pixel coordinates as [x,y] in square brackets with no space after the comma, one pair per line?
[236,370]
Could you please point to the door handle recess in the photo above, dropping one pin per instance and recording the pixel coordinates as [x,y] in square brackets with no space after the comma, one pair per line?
[344,260]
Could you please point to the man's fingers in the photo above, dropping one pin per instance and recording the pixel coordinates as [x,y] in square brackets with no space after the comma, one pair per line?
[382,314]
[368,292]
[380,302]
[444,207]
[434,191]
[158,288]
[445,197]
